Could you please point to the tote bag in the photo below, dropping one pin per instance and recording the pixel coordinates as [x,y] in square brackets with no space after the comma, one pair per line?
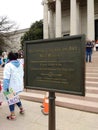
[11,97]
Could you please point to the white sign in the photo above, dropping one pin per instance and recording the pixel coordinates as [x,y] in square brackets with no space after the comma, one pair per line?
[13,100]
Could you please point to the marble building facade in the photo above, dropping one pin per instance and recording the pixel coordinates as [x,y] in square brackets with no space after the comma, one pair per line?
[70,17]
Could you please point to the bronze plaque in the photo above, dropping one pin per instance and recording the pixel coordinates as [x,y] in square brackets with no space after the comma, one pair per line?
[56,65]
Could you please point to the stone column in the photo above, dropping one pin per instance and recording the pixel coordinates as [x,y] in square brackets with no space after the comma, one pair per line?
[73,18]
[90,20]
[78,18]
[45,20]
[58,32]
[51,23]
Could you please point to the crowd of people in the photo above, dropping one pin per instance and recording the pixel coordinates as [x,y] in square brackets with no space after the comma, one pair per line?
[4,57]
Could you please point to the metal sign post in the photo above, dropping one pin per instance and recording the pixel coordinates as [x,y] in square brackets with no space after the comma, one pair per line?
[51,110]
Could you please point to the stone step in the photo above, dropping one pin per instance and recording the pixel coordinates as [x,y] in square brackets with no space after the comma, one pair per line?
[75,103]
[92,90]
[88,103]
[88,91]
[90,69]
[91,83]
[92,79]
[83,105]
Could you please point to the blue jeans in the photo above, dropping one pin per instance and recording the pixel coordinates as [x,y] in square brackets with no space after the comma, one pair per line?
[88,56]
[12,107]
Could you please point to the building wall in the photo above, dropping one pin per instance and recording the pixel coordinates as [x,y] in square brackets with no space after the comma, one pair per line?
[81,27]
[14,40]
[81,16]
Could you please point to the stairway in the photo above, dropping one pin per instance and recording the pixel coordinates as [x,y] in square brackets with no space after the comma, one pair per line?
[88,103]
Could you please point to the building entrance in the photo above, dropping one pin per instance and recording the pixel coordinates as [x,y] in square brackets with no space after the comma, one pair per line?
[96,29]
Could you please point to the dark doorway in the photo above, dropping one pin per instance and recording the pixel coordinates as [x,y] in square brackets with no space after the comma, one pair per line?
[96,29]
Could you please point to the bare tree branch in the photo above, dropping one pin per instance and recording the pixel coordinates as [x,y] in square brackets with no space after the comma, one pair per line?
[5,27]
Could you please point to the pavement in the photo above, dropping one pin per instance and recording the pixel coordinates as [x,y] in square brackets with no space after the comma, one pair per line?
[34,119]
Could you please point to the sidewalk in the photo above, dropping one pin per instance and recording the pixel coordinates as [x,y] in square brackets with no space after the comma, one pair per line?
[33,119]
